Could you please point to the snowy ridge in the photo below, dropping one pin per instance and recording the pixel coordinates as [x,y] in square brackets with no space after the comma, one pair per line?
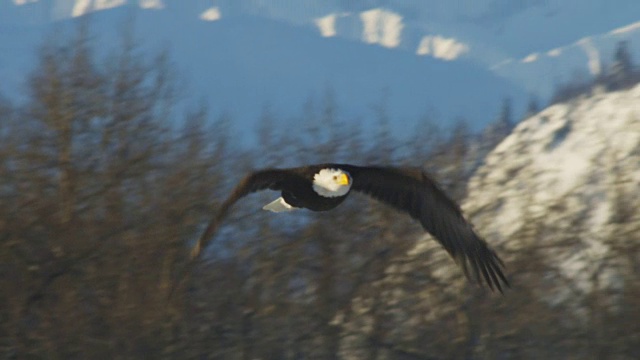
[588,54]
[531,43]
[242,64]
[563,167]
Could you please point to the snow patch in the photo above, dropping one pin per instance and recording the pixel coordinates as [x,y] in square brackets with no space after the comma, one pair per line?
[554,52]
[502,63]
[592,54]
[626,29]
[152,4]
[381,27]
[211,14]
[530,58]
[327,25]
[83,7]
[441,47]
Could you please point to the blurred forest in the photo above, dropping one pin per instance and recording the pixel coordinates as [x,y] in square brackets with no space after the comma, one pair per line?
[104,186]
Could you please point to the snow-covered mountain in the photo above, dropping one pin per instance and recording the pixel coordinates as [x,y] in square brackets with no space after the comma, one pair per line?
[570,169]
[428,57]
[574,168]
[533,43]
[540,71]
[240,64]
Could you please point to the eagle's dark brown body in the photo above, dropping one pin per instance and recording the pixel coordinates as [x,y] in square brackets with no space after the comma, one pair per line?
[301,197]
[298,191]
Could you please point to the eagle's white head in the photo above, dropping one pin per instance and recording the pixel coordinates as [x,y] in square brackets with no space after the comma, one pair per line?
[332,182]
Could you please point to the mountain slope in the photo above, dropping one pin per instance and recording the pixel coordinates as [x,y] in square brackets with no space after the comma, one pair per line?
[542,69]
[241,64]
[572,169]
[533,43]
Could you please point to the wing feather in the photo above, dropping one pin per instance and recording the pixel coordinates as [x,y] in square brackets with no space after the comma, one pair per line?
[272,179]
[412,191]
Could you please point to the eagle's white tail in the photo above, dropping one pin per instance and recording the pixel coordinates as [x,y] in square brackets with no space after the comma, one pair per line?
[278,205]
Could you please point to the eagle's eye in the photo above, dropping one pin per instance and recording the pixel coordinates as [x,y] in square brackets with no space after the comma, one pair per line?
[335,177]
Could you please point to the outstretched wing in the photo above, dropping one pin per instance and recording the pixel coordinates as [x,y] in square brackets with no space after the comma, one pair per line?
[412,191]
[259,180]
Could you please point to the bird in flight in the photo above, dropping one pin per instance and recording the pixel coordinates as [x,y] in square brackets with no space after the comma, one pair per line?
[325,186]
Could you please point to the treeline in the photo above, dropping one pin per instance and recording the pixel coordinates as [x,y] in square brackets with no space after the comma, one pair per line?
[621,73]
[105,185]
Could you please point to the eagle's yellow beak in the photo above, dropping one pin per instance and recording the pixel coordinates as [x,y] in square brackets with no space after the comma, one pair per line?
[343,179]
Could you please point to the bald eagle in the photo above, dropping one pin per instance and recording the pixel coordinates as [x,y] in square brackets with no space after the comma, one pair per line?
[323,187]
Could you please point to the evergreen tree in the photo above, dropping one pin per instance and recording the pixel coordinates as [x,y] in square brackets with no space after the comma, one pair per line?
[500,127]
[622,74]
[505,119]
[533,107]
